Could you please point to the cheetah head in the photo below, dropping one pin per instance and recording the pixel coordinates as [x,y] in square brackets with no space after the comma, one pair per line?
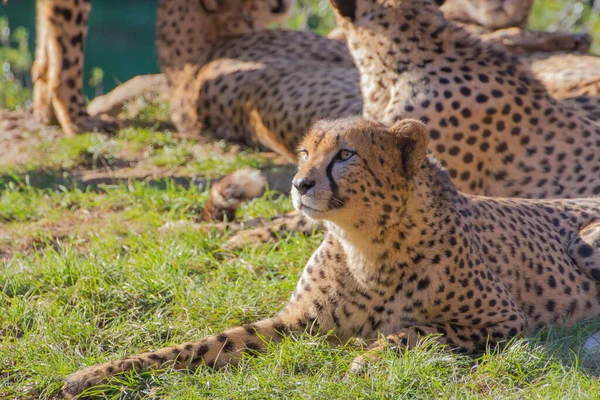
[252,14]
[353,169]
[492,14]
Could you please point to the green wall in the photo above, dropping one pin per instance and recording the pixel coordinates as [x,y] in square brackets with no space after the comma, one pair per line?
[120,40]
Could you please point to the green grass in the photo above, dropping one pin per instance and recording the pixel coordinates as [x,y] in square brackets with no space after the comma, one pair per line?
[86,277]
[122,287]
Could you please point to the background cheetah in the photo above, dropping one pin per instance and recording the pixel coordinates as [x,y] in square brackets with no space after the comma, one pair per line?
[496,268]
[492,123]
[62,30]
[190,34]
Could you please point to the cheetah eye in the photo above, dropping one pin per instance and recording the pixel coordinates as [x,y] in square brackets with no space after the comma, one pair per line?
[303,155]
[345,155]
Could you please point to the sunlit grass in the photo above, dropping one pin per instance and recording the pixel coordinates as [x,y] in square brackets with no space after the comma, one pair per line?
[86,277]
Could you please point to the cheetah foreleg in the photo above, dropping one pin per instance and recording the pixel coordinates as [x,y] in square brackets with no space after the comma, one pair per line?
[273,230]
[585,250]
[58,69]
[215,351]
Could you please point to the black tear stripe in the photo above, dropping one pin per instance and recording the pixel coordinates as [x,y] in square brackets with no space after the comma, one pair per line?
[334,201]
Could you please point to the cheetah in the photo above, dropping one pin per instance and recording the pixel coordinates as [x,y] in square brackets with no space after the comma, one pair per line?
[492,123]
[62,28]
[407,255]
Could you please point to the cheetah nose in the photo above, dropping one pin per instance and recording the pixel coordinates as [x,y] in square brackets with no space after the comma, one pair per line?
[303,185]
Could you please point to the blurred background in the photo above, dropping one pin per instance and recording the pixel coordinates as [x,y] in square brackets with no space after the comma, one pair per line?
[120,43]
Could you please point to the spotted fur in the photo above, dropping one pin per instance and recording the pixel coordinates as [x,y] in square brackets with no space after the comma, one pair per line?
[406,255]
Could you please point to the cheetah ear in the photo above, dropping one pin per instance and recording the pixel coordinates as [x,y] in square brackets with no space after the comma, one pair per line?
[210,6]
[412,139]
[346,8]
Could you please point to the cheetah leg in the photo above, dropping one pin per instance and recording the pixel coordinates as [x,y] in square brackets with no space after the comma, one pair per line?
[42,98]
[585,250]
[253,231]
[521,41]
[466,338]
[58,68]
[273,230]
[215,351]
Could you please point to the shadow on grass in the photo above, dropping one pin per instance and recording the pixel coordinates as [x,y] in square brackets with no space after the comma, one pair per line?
[279,179]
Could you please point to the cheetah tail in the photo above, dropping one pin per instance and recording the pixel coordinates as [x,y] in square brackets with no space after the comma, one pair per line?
[215,351]
[229,192]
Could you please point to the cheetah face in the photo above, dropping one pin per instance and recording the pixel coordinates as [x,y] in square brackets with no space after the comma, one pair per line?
[346,168]
[243,16]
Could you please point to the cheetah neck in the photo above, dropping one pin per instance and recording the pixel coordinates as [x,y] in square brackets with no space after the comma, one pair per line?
[409,238]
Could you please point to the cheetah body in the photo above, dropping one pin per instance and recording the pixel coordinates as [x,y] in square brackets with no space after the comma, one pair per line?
[268,88]
[407,255]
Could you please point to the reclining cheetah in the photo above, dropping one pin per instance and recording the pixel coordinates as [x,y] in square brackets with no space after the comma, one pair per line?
[408,255]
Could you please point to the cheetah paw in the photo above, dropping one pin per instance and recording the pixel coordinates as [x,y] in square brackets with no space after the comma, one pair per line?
[78,382]
[361,363]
